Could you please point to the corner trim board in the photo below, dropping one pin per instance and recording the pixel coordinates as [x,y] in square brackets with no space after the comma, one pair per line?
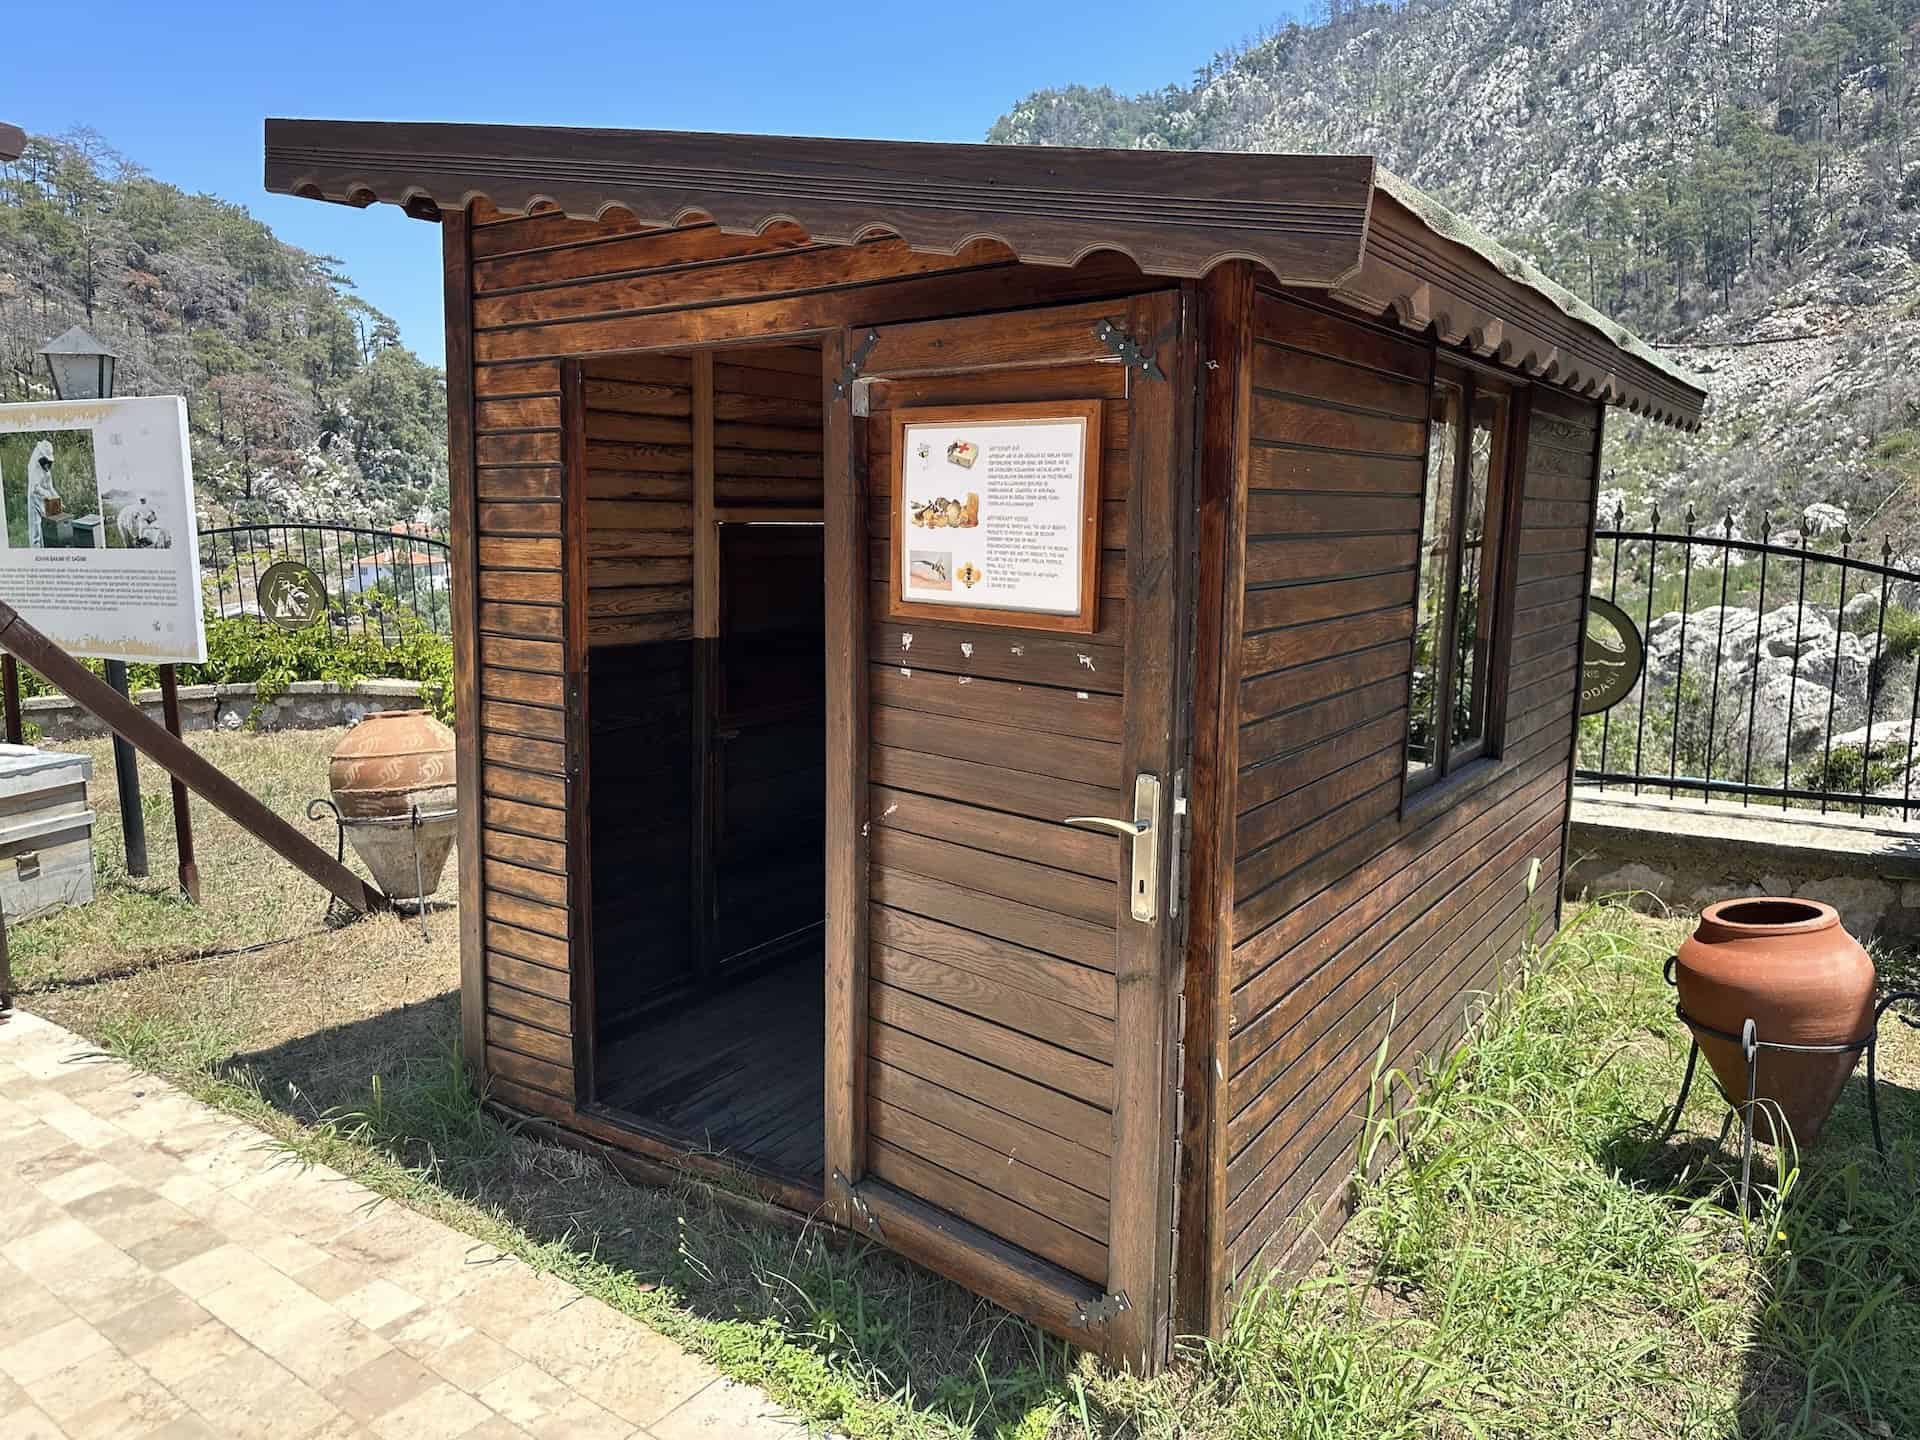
[462,500]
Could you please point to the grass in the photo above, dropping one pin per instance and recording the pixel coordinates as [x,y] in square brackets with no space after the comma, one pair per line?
[251,898]
[1536,1264]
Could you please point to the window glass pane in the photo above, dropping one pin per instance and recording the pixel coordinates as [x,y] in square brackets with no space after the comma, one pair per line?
[1436,548]
[1473,620]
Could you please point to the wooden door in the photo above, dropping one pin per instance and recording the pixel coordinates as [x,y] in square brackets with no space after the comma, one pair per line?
[999,1089]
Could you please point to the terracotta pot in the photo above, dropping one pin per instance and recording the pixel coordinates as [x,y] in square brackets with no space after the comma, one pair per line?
[1790,967]
[390,763]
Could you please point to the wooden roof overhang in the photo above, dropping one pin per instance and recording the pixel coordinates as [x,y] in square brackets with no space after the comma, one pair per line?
[1330,223]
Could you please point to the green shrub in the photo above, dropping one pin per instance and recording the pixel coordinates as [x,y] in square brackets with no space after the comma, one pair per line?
[1899,632]
[1841,770]
[246,650]
[1897,444]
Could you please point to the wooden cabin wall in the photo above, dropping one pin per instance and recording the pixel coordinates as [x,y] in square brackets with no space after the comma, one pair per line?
[521,909]
[653,447]
[639,503]
[524,293]
[767,432]
[547,286]
[1351,921]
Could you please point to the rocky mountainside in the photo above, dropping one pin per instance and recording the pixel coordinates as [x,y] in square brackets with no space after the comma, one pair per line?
[1734,178]
[302,400]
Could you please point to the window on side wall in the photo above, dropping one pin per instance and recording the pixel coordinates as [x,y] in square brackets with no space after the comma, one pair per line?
[1455,697]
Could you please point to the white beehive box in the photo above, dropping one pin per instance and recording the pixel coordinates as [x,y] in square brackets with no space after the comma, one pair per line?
[46,831]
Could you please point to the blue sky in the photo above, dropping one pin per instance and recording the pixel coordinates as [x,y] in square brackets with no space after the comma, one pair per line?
[183,89]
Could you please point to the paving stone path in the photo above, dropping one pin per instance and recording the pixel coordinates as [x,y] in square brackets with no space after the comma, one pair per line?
[163,1272]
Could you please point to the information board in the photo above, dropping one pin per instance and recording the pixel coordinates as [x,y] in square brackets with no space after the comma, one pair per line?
[100,546]
[997,515]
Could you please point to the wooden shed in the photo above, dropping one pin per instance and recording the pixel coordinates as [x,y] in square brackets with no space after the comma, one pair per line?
[992,679]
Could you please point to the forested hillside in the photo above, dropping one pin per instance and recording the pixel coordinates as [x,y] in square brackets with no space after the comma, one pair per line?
[1713,172]
[302,399]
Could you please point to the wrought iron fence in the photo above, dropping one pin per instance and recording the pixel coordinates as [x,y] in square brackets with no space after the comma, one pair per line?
[1796,683]
[371,576]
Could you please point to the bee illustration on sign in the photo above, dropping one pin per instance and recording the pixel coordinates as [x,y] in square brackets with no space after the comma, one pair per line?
[932,569]
[944,513]
[1611,658]
[291,595]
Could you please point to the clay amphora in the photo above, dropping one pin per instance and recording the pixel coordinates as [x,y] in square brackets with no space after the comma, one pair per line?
[1790,967]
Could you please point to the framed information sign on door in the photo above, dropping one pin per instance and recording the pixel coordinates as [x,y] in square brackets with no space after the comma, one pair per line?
[996,515]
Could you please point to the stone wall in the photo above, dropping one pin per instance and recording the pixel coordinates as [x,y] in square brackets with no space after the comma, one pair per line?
[305,705]
[1681,855]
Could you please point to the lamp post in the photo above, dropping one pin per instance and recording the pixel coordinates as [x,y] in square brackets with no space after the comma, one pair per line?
[83,369]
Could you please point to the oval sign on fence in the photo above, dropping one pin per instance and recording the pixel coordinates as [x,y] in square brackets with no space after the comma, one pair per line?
[1612,658]
[290,594]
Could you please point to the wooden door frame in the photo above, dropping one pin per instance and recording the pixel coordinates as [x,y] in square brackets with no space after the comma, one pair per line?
[583,981]
[844,537]
[1160,603]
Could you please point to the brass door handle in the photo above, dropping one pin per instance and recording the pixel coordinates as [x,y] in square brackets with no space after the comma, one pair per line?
[1143,894]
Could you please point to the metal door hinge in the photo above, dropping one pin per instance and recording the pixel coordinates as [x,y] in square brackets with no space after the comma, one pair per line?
[1173,1262]
[1173,1248]
[577,733]
[1179,1048]
[858,1206]
[1128,349]
[1176,847]
[1179,1070]
[1098,1312]
[843,383]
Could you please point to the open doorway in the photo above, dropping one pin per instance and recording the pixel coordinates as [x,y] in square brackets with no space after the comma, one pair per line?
[706,751]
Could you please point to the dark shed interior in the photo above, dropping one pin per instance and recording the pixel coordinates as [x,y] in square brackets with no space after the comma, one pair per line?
[706,718]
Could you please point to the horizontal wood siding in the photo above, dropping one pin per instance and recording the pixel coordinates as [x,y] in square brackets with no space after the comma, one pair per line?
[1354,922]
[991,993]
[642,485]
[639,511]
[766,428]
[548,286]
[523,734]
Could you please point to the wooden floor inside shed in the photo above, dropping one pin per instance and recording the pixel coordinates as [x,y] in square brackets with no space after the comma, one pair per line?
[739,1073]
